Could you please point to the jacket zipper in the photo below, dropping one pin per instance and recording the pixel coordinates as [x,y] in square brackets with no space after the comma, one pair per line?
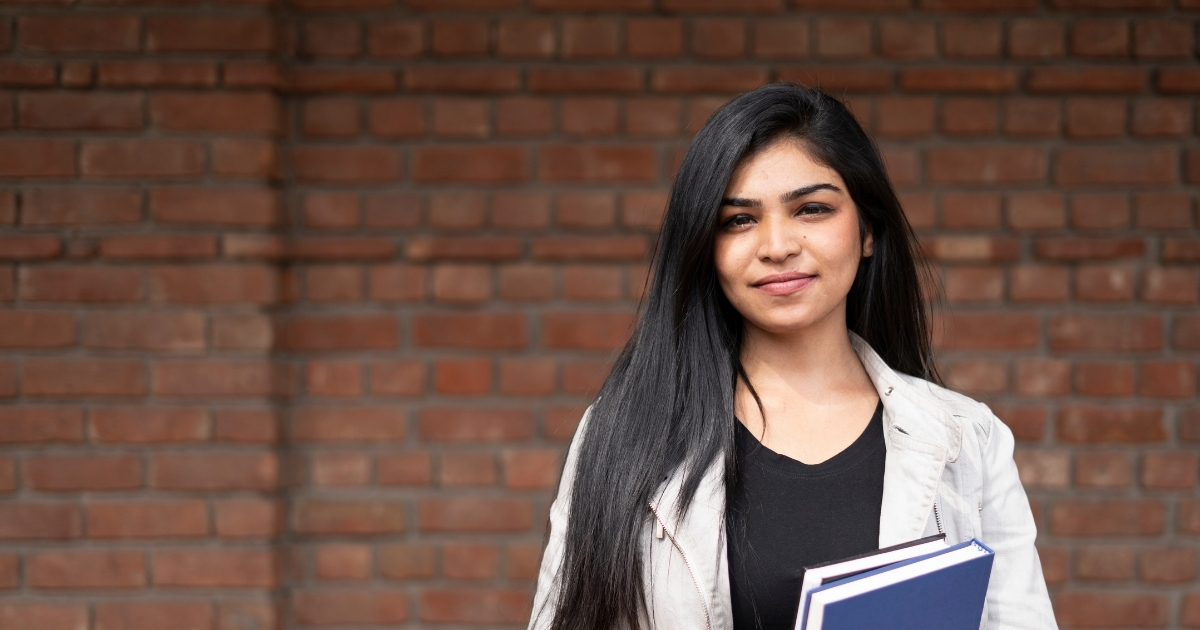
[937,518]
[661,527]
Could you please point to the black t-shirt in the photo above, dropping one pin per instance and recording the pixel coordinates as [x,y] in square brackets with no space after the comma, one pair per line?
[784,515]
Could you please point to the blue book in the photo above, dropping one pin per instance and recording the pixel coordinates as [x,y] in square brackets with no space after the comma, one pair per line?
[942,590]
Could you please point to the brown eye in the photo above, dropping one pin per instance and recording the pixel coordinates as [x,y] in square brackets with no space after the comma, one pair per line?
[814,208]
[737,220]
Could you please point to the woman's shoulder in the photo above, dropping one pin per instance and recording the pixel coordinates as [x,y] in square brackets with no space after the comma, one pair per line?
[961,408]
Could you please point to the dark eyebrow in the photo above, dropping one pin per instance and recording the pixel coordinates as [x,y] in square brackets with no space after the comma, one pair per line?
[740,202]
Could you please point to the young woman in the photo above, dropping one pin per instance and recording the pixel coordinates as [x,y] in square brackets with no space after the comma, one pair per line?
[777,404]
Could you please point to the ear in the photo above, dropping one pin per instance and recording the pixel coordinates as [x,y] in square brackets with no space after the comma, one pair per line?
[868,245]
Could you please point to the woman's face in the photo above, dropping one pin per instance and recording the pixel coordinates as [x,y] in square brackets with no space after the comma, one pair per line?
[787,246]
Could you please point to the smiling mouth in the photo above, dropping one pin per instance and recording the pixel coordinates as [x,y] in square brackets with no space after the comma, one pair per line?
[784,283]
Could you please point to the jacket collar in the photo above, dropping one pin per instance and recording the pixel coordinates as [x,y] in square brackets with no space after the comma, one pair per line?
[921,437]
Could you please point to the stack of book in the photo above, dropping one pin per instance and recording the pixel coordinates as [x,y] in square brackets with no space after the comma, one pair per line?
[919,585]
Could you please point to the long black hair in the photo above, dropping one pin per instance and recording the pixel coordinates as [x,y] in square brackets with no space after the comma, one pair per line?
[667,403]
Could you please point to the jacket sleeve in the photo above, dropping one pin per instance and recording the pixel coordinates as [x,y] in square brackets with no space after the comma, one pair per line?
[1017,595]
[546,595]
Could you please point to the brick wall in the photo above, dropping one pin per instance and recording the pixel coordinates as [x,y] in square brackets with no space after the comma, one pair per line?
[301,302]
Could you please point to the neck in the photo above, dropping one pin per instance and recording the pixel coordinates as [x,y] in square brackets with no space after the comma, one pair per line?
[815,362]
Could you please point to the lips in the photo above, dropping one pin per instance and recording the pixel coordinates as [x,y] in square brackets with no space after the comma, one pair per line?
[784,283]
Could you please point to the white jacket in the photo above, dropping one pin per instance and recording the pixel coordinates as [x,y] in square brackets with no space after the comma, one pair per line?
[949,468]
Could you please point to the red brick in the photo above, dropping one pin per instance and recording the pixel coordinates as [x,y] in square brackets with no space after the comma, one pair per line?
[1178,80]
[75,473]
[654,37]
[949,79]
[1105,608]
[991,165]
[531,469]
[348,424]
[1105,378]
[247,112]
[462,79]
[178,33]
[36,329]
[29,247]
[340,469]
[1107,518]
[236,614]
[333,333]
[1161,117]
[1168,379]
[1043,377]
[217,283]
[1171,285]
[1168,565]
[156,615]
[27,73]
[971,38]
[40,425]
[589,331]
[528,38]
[86,569]
[397,283]
[1105,333]
[585,376]
[462,117]
[83,377]
[1038,284]
[987,331]
[253,74]
[1096,424]
[707,79]
[1104,283]
[205,378]
[141,158]
[459,37]
[1063,79]
[407,560]
[165,246]
[476,606]
[970,116]
[472,425]
[40,521]
[470,561]
[248,518]
[247,425]
[80,284]
[333,378]
[78,33]
[591,248]
[82,111]
[527,377]
[147,519]
[1100,563]
[404,469]
[80,207]
[474,515]
[1170,470]
[147,73]
[211,568]
[1099,38]
[467,469]
[44,616]
[902,116]
[331,38]
[392,210]
[470,164]
[244,158]
[374,606]
[477,331]
[333,283]
[1096,117]
[605,79]
[1162,39]
[347,164]
[214,471]
[1045,469]
[351,518]
[28,158]
[244,332]
[524,116]
[396,38]
[342,561]
[590,37]
[463,377]
[1073,248]
[524,282]
[1103,470]
[1032,117]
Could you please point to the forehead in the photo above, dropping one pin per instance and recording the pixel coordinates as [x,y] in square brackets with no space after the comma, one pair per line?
[779,168]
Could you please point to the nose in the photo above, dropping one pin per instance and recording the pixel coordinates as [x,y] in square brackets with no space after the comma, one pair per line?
[778,241]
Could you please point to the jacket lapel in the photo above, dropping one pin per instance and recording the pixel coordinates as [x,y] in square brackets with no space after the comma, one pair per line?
[921,437]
